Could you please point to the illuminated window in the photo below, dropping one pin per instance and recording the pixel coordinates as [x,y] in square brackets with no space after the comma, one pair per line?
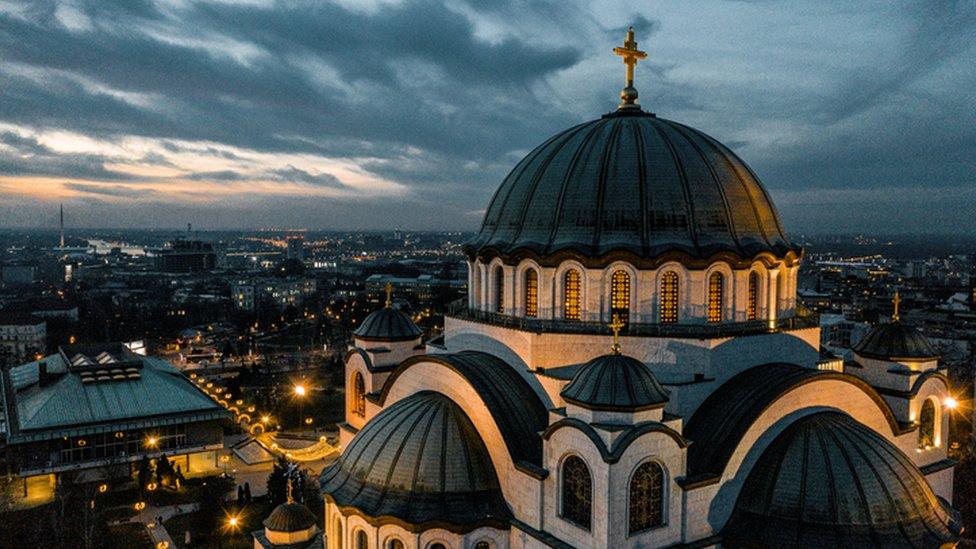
[571,295]
[752,308]
[926,425]
[359,395]
[716,283]
[669,298]
[646,498]
[499,290]
[531,293]
[577,492]
[620,296]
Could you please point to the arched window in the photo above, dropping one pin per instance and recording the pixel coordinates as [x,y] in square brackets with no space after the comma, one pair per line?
[926,425]
[437,546]
[669,298]
[499,290]
[571,295]
[752,308]
[482,545]
[358,395]
[646,497]
[394,544]
[577,492]
[531,293]
[362,542]
[620,296]
[716,293]
[338,532]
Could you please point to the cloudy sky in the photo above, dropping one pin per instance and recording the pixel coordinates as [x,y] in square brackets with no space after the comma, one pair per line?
[375,114]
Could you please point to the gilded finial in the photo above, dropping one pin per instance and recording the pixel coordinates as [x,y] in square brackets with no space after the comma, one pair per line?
[291,498]
[616,325]
[896,301]
[389,295]
[630,54]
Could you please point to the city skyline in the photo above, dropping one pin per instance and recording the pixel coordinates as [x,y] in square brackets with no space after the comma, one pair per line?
[408,114]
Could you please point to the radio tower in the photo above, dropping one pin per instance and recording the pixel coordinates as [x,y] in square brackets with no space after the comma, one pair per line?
[62,225]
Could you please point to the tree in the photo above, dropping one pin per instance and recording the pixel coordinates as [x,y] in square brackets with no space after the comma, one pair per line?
[210,518]
[278,482]
[145,472]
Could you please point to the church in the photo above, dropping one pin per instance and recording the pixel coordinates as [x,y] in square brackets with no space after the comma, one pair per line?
[632,369]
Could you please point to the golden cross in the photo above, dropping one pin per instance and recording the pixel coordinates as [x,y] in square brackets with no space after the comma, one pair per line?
[896,301]
[616,325]
[389,295]
[631,55]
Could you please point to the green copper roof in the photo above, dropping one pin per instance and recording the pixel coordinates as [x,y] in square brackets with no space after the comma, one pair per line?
[62,403]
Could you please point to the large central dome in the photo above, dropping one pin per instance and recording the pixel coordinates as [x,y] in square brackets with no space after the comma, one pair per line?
[631,182]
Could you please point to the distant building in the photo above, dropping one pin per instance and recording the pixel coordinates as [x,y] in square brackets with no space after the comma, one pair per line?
[22,334]
[18,274]
[96,410]
[296,248]
[422,287]
[249,294]
[186,256]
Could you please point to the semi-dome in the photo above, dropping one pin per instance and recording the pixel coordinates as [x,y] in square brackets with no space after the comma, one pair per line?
[631,182]
[420,462]
[615,383]
[387,324]
[829,481]
[895,341]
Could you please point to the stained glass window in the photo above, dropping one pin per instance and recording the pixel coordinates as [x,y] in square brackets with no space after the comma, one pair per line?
[531,293]
[577,492]
[752,308]
[926,427]
[669,298]
[620,296]
[716,286]
[646,497]
[359,395]
[499,290]
[571,295]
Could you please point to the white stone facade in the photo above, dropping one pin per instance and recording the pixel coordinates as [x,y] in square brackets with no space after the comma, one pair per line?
[886,397]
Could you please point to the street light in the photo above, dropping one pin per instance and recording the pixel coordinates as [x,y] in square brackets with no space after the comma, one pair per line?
[950,403]
[300,390]
[152,442]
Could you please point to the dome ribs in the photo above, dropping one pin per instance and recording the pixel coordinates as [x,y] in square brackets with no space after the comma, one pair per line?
[729,218]
[555,149]
[601,188]
[567,179]
[692,226]
[725,154]
[636,188]
[645,196]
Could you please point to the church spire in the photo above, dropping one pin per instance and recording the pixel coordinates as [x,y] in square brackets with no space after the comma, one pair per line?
[631,55]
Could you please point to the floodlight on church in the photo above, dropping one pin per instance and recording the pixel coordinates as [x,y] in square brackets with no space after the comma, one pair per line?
[950,403]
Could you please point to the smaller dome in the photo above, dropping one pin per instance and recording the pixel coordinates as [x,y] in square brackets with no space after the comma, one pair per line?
[829,481]
[420,461]
[387,324]
[615,383]
[290,517]
[895,341]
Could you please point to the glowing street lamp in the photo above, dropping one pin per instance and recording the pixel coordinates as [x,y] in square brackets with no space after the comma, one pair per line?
[300,390]
[152,442]
[950,403]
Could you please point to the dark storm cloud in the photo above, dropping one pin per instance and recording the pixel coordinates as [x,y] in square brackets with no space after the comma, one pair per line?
[443,98]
